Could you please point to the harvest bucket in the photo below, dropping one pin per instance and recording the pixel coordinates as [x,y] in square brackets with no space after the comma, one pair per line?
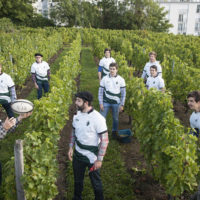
[124,135]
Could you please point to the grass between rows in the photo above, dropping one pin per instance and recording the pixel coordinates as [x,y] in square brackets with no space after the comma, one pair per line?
[7,144]
[117,182]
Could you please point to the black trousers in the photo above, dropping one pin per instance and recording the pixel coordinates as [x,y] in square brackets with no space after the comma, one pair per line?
[79,168]
[7,107]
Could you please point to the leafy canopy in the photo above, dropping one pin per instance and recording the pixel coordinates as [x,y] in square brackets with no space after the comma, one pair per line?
[17,10]
[112,14]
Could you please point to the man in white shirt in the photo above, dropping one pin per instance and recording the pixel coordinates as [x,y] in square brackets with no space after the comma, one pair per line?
[90,138]
[104,64]
[155,81]
[7,92]
[40,74]
[152,61]
[112,95]
[194,104]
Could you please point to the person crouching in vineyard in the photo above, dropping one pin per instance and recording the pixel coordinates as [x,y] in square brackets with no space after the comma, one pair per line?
[40,74]
[90,137]
[8,126]
[112,95]
[155,81]
[7,92]
[104,63]
[194,104]
[152,61]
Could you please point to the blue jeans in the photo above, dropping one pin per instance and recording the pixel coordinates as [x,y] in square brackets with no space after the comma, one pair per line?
[115,114]
[44,85]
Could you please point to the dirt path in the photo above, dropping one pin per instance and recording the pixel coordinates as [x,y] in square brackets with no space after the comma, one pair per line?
[145,187]
[23,92]
[62,156]
[182,112]
[63,145]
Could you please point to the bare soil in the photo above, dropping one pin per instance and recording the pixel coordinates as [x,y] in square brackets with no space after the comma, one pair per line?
[62,156]
[24,91]
[145,187]
[182,112]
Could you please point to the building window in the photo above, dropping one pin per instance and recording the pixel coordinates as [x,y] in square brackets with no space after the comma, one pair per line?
[198,8]
[182,28]
[197,25]
[180,18]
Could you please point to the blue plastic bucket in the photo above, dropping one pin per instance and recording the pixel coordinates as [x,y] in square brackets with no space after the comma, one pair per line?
[124,135]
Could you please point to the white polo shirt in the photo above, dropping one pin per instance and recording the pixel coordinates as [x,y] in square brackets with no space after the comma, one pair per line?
[105,63]
[195,120]
[6,82]
[88,127]
[112,86]
[146,72]
[40,69]
[155,82]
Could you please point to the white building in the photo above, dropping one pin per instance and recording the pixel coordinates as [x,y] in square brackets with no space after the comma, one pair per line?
[183,14]
[43,7]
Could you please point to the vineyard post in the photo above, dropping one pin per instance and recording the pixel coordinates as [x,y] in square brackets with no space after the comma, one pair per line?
[173,65]
[19,168]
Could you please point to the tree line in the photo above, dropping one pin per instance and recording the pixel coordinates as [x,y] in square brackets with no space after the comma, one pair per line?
[106,14]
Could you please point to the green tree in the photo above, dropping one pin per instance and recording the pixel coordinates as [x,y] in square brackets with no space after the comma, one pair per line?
[155,19]
[146,14]
[76,13]
[109,14]
[112,14]
[126,16]
[67,12]
[16,10]
[90,15]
